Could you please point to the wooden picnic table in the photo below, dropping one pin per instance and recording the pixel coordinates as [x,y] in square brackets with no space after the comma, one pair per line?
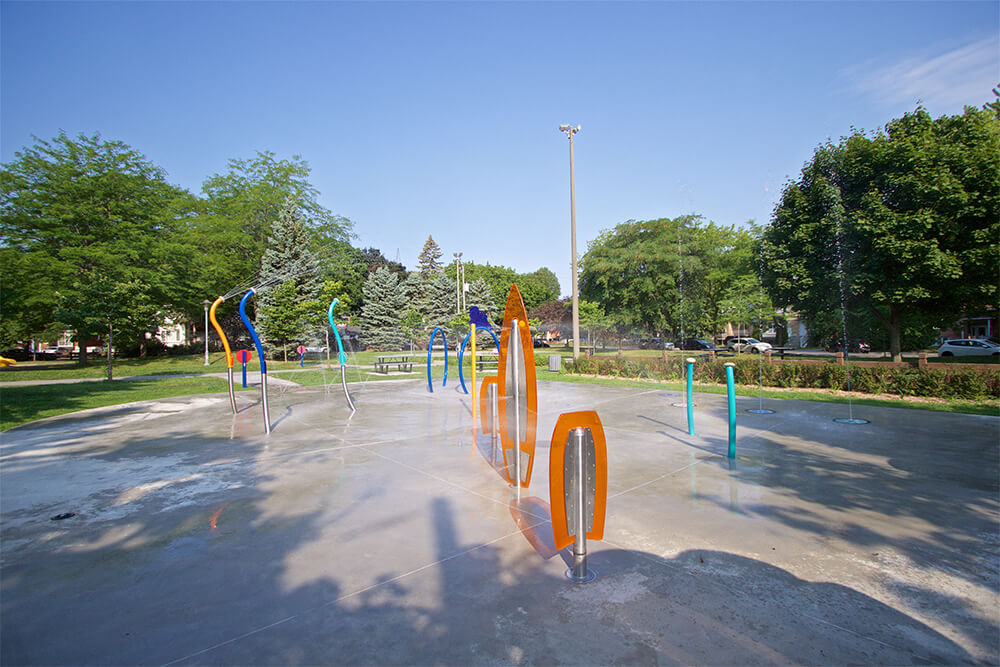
[401,362]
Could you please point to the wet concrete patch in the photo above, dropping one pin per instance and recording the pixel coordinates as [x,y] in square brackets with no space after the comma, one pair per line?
[387,537]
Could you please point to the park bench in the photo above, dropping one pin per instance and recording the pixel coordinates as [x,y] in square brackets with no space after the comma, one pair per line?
[488,360]
[402,363]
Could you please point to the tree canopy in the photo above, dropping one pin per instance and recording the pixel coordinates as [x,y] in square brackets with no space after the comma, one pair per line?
[666,275]
[75,211]
[292,284]
[903,224]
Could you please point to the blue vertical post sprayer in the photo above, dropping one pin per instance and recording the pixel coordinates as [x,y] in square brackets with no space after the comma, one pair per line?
[430,348]
[260,355]
[341,357]
[690,394]
[731,391]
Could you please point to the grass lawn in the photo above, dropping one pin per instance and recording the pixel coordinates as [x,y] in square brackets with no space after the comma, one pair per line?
[19,405]
[22,404]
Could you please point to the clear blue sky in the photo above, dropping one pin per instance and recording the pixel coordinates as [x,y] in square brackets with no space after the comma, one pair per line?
[442,118]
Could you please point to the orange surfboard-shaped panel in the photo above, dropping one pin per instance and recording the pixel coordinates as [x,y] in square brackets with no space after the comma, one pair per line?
[561,459]
[517,358]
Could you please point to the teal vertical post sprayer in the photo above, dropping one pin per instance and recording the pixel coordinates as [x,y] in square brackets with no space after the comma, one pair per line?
[690,395]
[731,391]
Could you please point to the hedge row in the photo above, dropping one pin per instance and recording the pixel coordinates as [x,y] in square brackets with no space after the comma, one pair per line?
[971,383]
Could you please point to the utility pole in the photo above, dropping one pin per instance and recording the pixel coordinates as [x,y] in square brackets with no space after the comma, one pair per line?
[458,282]
[569,130]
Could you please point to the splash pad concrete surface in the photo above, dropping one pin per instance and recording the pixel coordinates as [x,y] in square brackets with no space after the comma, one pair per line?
[389,537]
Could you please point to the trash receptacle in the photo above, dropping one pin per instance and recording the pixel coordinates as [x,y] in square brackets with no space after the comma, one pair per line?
[555,362]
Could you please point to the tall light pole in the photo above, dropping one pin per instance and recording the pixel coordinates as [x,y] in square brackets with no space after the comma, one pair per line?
[458,281]
[206,303]
[465,289]
[569,130]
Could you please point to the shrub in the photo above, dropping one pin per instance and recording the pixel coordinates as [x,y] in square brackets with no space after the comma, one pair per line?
[972,383]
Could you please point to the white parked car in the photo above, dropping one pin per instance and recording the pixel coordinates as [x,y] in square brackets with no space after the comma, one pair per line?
[968,347]
[748,345]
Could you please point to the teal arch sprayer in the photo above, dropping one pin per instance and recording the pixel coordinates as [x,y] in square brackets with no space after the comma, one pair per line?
[341,356]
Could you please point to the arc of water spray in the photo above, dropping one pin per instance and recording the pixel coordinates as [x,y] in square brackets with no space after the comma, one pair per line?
[225,345]
[341,357]
[260,356]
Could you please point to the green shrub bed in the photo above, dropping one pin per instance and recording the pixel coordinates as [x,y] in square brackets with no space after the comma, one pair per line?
[965,383]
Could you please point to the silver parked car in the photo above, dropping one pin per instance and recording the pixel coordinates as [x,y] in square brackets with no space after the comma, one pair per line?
[968,347]
[748,345]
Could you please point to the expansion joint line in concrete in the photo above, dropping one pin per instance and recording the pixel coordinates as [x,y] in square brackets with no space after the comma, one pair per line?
[435,477]
[656,479]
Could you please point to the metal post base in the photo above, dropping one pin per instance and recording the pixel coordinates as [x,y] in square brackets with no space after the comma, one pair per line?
[343,383]
[579,574]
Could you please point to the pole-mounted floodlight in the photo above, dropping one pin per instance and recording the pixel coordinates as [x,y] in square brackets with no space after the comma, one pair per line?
[570,131]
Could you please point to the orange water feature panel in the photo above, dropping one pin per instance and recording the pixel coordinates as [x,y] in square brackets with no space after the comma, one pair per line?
[517,358]
[564,437]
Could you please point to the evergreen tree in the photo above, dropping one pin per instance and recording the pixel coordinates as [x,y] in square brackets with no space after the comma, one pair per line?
[383,311]
[429,261]
[412,288]
[288,269]
[481,296]
[437,302]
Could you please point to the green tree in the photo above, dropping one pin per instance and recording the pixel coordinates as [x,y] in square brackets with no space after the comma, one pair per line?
[383,311]
[436,302]
[498,278]
[538,287]
[592,319]
[903,224]
[429,260]
[107,307]
[291,282]
[481,296]
[240,206]
[668,276]
[75,210]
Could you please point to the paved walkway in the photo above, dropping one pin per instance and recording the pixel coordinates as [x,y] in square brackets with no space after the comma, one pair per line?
[388,537]
[253,378]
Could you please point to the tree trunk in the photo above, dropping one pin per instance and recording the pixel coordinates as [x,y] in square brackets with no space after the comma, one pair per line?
[894,325]
[896,332]
[110,377]
[81,342]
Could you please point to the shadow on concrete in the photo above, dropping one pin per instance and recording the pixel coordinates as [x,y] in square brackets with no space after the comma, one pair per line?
[250,560]
[253,574]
